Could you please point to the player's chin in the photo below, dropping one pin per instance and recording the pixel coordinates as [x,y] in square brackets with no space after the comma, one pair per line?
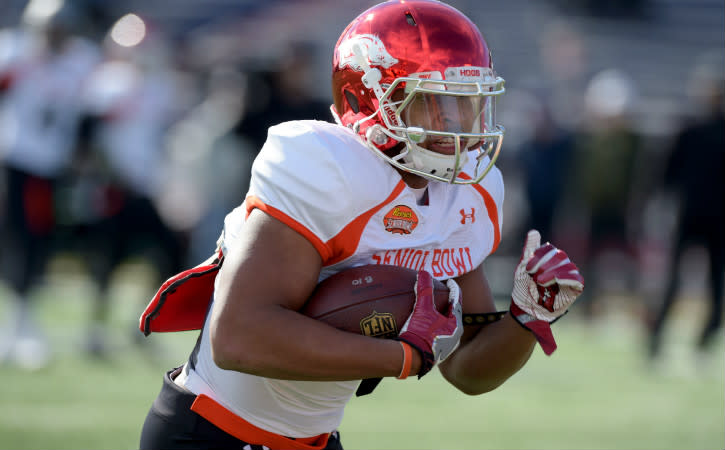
[448,146]
[442,147]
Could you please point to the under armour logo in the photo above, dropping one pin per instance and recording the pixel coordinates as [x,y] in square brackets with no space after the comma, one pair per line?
[547,295]
[471,215]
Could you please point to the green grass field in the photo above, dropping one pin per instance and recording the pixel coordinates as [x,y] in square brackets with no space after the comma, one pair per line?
[595,392]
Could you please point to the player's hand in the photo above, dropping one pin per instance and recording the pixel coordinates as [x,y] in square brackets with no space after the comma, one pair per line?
[433,334]
[546,283]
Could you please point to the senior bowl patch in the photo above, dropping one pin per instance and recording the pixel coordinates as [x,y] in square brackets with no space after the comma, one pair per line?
[400,220]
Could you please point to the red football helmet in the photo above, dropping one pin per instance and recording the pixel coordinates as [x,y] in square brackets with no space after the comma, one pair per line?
[419,72]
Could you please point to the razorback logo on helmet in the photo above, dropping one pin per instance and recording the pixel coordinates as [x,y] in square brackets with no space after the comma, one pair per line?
[400,220]
[372,46]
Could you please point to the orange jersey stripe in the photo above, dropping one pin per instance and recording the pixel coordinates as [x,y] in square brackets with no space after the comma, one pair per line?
[340,246]
[252,202]
[491,208]
[234,425]
[346,241]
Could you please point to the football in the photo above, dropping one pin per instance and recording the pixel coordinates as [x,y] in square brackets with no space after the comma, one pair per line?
[373,300]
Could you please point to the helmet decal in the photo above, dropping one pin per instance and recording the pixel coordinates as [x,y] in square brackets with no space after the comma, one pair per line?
[372,46]
[469,73]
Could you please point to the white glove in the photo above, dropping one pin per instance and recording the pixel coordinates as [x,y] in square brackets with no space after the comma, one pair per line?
[546,283]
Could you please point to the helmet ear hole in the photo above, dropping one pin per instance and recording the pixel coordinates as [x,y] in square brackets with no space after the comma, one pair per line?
[352,101]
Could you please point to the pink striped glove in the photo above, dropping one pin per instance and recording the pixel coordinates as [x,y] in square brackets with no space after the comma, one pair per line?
[433,334]
[546,283]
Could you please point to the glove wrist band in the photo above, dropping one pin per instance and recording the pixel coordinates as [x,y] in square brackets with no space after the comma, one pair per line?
[541,329]
[407,361]
[521,316]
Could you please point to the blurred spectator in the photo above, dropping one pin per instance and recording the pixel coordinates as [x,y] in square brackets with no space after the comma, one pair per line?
[39,118]
[132,98]
[209,164]
[252,101]
[564,58]
[695,172]
[607,148]
[283,93]
[546,163]
[228,129]
[542,131]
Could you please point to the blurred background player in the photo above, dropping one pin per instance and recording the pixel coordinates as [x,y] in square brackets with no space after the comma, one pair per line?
[545,158]
[40,113]
[282,93]
[606,152]
[694,175]
[131,99]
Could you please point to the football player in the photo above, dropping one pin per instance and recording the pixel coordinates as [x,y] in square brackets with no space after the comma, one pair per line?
[44,63]
[405,177]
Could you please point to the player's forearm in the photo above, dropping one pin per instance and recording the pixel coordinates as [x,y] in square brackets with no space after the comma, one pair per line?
[492,356]
[286,345]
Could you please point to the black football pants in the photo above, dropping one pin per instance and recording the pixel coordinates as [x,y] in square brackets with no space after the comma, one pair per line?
[171,424]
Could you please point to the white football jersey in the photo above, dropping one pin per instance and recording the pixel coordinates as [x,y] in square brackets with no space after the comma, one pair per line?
[321,180]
